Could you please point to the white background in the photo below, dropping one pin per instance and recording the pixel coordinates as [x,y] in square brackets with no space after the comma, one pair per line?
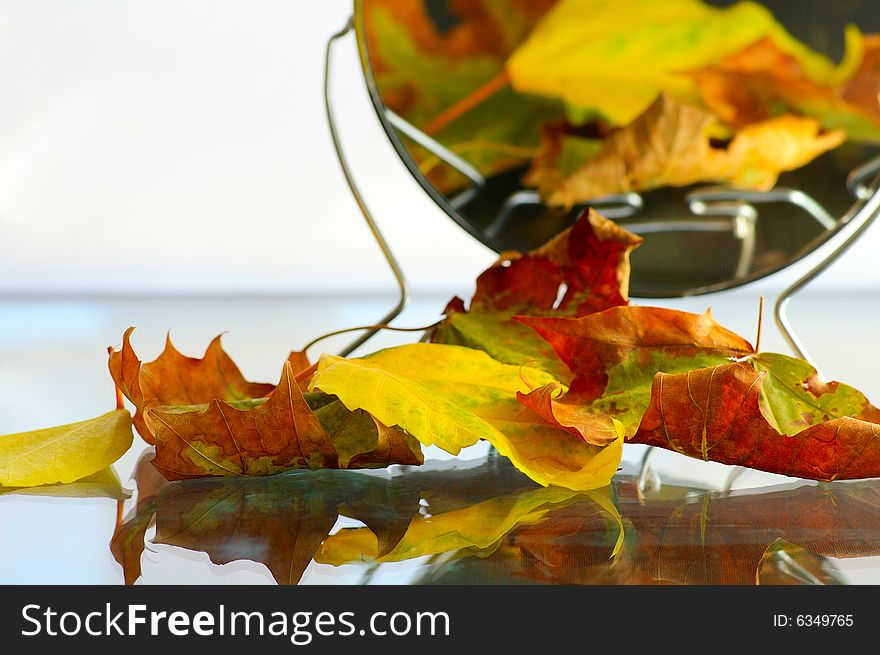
[179,146]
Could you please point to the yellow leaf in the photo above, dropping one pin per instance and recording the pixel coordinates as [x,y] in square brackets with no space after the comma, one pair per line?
[66,453]
[615,57]
[451,397]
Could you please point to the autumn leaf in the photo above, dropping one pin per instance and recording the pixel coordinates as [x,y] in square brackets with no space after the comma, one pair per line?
[614,58]
[794,397]
[199,414]
[763,81]
[614,356]
[173,379]
[589,262]
[671,144]
[715,413]
[451,397]
[359,439]
[275,436]
[66,453]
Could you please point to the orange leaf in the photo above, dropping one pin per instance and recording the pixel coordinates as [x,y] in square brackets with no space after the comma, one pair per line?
[278,435]
[174,379]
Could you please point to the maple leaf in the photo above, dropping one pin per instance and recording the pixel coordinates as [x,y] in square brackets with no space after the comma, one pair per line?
[614,356]
[589,261]
[671,144]
[614,58]
[277,435]
[204,423]
[173,379]
[451,397]
[715,413]
[66,453]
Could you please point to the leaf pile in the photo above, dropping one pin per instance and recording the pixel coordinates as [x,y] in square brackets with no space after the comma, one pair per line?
[549,364]
[595,97]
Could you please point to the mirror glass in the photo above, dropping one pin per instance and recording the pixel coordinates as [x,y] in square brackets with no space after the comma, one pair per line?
[724,133]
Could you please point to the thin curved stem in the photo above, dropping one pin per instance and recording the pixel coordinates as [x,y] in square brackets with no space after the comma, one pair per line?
[373,330]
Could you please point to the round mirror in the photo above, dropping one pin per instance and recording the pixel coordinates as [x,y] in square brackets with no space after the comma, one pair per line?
[734,137]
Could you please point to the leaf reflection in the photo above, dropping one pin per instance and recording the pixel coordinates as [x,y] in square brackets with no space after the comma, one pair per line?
[449,511]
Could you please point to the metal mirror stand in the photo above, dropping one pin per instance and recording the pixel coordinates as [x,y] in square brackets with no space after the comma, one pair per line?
[723,210]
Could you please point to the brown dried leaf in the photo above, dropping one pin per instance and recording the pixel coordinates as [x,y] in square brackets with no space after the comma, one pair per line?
[671,144]
[221,440]
[173,379]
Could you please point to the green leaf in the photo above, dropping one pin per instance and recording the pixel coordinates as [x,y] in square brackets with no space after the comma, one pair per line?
[793,397]
[495,333]
[66,453]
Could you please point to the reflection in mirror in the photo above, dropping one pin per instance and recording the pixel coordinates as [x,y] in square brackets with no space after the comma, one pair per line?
[485,523]
[724,133]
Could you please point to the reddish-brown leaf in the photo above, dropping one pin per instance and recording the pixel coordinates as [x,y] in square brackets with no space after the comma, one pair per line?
[173,379]
[639,338]
[714,414]
[221,440]
[614,355]
[226,432]
[590,261]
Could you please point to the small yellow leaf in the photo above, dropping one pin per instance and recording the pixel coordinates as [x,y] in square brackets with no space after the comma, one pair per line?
[66,453]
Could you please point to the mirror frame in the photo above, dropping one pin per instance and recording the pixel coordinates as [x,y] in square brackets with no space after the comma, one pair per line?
[854,213]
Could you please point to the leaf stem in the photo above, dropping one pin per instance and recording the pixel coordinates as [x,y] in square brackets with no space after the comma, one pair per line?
[464,105]
[369,327]
[120,399]
[760,324]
